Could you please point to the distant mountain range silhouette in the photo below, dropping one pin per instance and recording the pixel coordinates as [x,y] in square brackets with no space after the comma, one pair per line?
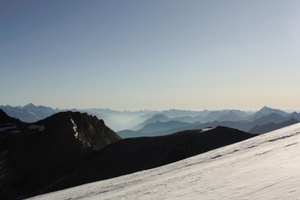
[255,125]
[156,123]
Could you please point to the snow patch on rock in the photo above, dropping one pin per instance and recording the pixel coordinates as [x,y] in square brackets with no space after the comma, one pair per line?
[75,129]
[206,129]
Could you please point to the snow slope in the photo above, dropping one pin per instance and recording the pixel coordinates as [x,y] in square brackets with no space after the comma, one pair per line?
[263,167]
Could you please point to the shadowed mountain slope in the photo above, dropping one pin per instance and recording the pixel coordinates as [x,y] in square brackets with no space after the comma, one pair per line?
[136,154]
[34,156]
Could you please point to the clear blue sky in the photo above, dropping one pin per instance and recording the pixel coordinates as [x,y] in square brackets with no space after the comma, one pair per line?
[158,54]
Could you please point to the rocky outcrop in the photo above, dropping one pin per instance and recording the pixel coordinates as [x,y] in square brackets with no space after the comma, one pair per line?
[37,155]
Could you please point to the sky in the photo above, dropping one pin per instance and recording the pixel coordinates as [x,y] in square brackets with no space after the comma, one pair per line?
[158,54]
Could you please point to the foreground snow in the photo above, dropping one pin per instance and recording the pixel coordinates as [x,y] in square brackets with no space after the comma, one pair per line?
[264,167]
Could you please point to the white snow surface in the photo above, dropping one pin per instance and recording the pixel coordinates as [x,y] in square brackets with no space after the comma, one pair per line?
[263,167]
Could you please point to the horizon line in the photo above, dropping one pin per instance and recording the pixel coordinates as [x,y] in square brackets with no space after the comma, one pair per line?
[160,110]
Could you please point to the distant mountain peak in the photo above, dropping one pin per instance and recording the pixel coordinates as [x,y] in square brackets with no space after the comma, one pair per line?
[29,105]
[264,111]
[267,110]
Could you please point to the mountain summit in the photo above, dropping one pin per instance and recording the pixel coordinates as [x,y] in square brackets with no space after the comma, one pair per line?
[36,155]
[264,111]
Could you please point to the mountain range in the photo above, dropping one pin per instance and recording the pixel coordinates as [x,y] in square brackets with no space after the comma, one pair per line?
[264,120]
[155,123]
[72,148]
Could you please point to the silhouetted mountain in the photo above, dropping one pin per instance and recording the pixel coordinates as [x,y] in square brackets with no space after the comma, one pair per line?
[273,117]
[153,119]
[295,115]
[241,125]
[158,129]
[266,111]
[136,154]
[29,112]
[188,119]
[174,113]
[19,113]
[234,115]
[225,115]
[164,128]
[5,119]
[41,112]
[33,156]
[260,129]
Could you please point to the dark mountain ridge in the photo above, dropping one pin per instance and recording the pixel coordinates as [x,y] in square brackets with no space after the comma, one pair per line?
[36,155]
[136,154]
[153,119]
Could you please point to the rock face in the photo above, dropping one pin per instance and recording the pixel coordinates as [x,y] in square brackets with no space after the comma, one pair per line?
[34,156]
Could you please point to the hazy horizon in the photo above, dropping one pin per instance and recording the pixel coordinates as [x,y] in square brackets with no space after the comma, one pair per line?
[145,109]
[155,55]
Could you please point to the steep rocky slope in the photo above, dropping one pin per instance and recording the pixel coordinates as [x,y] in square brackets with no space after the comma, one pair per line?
[34,156]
